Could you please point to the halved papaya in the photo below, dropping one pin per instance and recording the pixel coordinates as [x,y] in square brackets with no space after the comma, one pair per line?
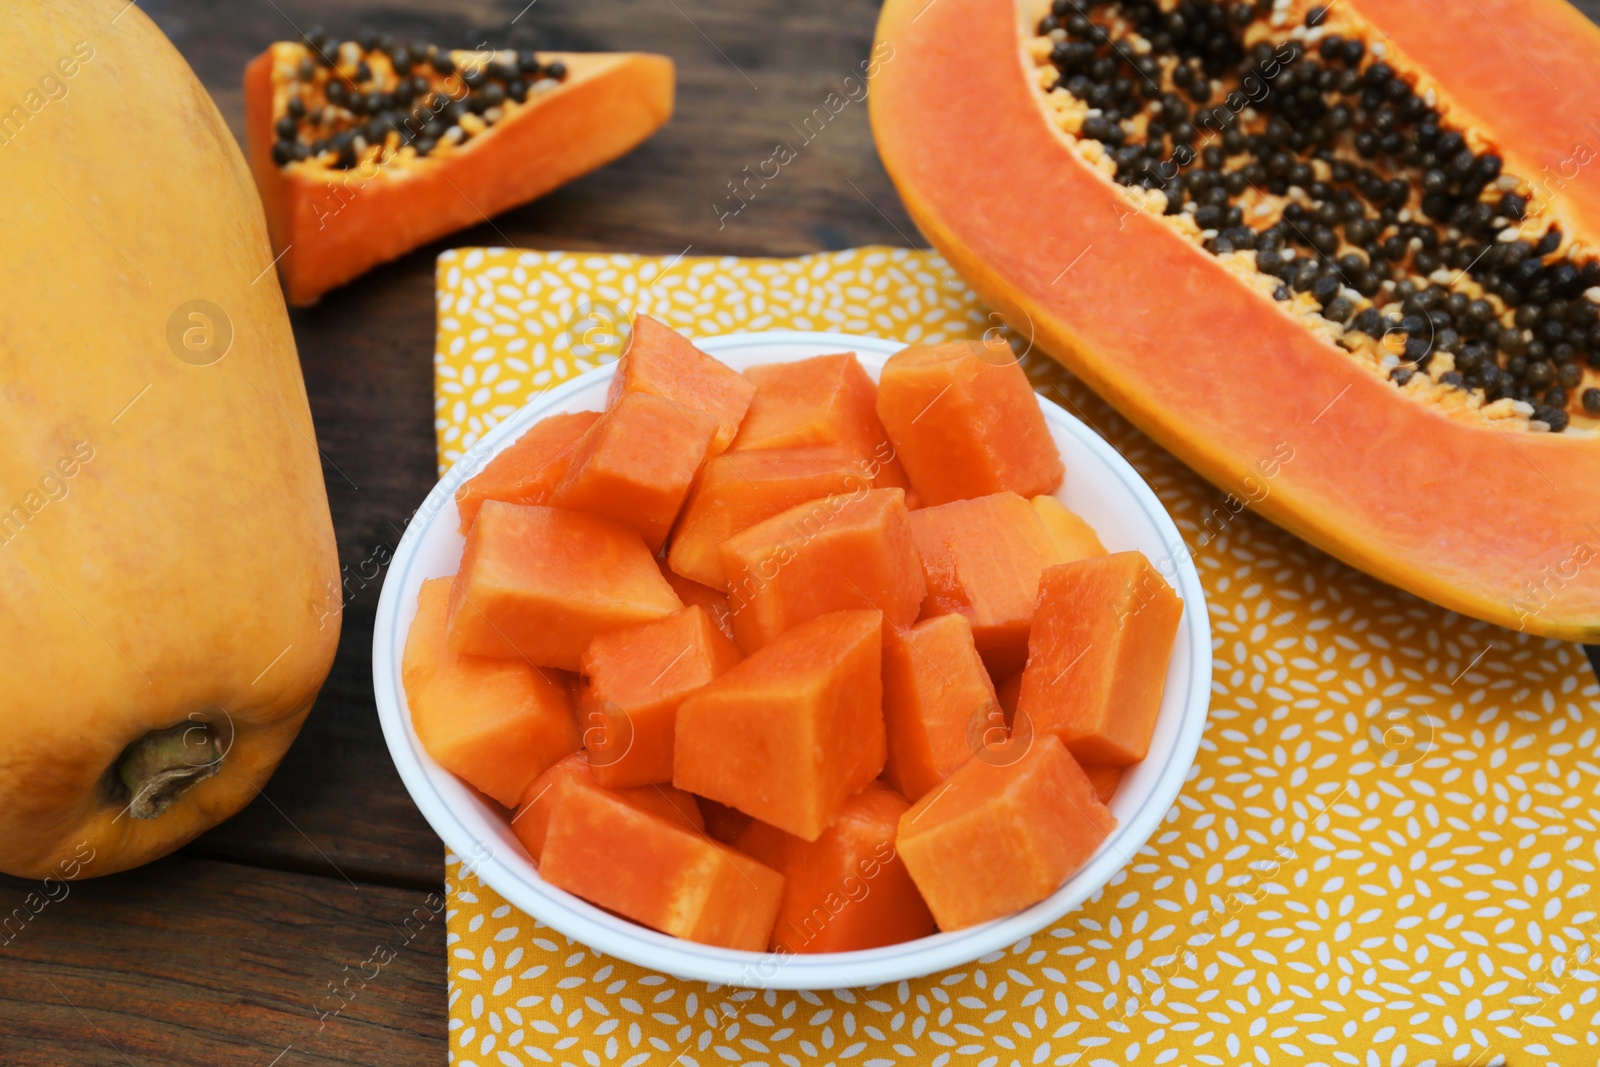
[848,890]
[1346,271]
[497,723]
[532,818]
[526,471]
[364,150]
[662,362]
[824,400]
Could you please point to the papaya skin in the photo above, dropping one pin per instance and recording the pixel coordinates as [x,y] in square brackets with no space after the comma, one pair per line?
[331,228]
[173,605]
[1497,526]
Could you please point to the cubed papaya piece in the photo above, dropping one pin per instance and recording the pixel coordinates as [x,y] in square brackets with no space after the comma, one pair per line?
[635,678]
[692,592]
[999,836]
[825,400]
[723,822]
[1097,656]
[636,463]
[1007,691]
[1072,537]
[965,422]
[982,559]
[497,723]
[938,702]
[1105,780]
[609,852]
[789,734]
[662,362]
[739,489]
[527,470]
[839,553]
[532,818]
[539,583]
[848,889]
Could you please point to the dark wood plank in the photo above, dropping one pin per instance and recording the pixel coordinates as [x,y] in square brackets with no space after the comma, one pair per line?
[192,962]
[367,349]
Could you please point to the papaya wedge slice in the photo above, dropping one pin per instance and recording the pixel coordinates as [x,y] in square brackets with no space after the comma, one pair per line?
[414,142]
[1337,259]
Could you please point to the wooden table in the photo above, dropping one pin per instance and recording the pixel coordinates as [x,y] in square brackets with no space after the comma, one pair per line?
[230,951]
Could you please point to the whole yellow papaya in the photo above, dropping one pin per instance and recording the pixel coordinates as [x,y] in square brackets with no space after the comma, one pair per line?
[169,599]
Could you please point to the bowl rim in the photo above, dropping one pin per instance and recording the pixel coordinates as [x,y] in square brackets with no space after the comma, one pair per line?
[614,936]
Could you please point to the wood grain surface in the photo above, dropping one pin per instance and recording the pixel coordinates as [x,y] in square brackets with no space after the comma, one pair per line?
[238,950]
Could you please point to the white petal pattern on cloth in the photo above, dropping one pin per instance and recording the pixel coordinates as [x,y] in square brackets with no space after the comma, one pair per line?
[1385,854]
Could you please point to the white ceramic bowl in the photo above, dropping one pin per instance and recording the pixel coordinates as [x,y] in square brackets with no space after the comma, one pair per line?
[1100,485]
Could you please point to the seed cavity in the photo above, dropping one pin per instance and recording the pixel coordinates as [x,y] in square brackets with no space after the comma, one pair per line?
[340,104]
[1273,134]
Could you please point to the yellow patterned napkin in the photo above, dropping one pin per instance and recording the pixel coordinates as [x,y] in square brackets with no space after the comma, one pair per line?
[1384,855]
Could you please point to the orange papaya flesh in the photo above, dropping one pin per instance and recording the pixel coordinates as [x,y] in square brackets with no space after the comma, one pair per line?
[532,817]
[609,852]
[496,723]
[790,733]
[938,702]
[847,890]
[662,362]
[539,583]
[825,400]
[1104,779]
[739,489]
[635,678]
[982,559]
[1332,421]
[1548,47]
[1097,656]
[335,214]
[1000,836]
[636,463]
[838,553]
[723,823]
[715,601]
[966,423]
[1072,536]
[1006,691]
[526,470]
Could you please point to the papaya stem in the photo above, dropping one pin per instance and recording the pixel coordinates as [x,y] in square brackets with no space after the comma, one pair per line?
[165,764]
